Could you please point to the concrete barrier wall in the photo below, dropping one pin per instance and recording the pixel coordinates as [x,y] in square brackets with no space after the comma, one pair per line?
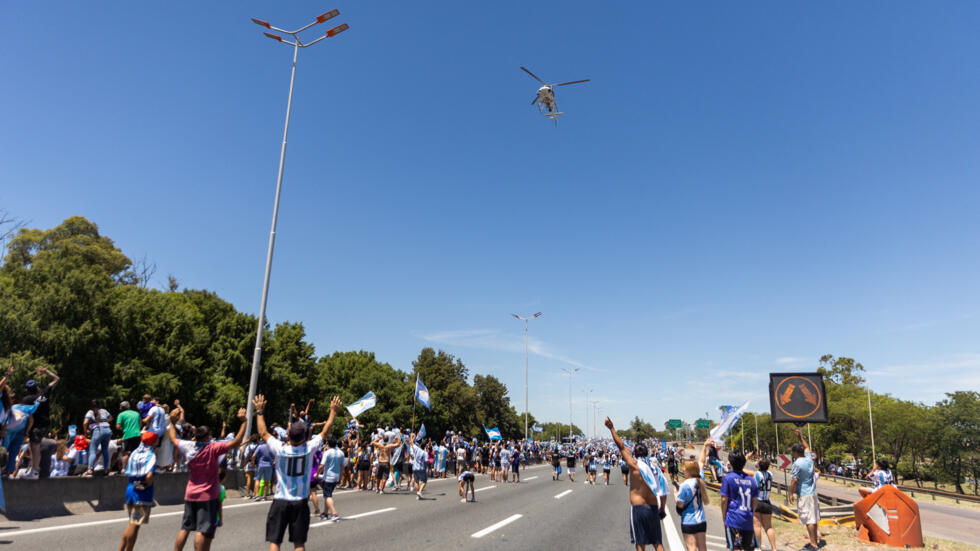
[29,499]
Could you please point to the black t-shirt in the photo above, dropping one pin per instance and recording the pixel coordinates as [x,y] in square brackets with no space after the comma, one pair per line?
[712,452]
[570,461]
[42,416]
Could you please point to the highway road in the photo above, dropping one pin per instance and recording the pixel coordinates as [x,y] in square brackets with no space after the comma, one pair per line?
[538,513]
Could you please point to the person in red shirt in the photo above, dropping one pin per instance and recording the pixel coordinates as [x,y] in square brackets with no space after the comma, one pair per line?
[203,485]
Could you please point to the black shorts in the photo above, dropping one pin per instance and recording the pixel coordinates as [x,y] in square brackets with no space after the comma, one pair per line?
[694,528]
[763,507]
[314,484]
[516,467]
[625,470]
[383,470]
[644,525]
[740,539]
[407,468]
[200,516]
[328,488]
[671,469]
[294,515]
[129,445]
[37,434]
[363,465]
[468,477]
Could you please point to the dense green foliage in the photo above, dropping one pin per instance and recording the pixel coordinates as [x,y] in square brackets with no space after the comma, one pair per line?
[73,302]
[938,443]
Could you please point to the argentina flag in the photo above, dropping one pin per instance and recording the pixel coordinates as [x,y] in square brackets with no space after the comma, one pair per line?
[366,402]
[421,433]
[493,433]
[422,394]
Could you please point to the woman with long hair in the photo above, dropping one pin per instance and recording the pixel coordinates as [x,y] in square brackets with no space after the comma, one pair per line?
[691,498]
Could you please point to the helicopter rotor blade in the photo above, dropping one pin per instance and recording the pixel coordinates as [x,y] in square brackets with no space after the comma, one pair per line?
[535,100]
[533,75]
[572,82]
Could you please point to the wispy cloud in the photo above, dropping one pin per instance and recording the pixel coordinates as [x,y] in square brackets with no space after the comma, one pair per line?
[494,339]
[791,361]
[930,380]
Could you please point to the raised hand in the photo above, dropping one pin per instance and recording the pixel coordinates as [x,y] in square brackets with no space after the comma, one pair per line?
[259,402]
[336,405]
[241,414]
[609,423]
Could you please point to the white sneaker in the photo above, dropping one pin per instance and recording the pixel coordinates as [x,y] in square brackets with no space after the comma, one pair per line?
[30,475]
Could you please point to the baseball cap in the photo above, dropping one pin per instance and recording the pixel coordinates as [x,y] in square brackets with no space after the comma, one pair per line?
[149,438]
[297,431]
[30,384]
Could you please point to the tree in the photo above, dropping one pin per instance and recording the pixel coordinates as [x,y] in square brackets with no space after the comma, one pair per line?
[641,430]
[842,370]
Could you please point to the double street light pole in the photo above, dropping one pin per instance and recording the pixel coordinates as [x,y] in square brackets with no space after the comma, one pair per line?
[569,372]
[525,320]
[296,43]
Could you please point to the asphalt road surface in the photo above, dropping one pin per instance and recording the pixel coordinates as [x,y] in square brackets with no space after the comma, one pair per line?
[940,521]
[538,513]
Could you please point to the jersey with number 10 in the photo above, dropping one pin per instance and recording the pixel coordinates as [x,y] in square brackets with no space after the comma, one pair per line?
[739,488]
[293,466]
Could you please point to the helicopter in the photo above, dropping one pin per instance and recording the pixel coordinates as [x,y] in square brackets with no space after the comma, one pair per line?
[545,97]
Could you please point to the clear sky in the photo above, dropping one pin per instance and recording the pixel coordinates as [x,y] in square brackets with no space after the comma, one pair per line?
[740,189]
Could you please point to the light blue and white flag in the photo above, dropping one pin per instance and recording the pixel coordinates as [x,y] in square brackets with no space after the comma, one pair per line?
[421,433]
[653,476]
[538,428]
[729,417]
[366,402]
[493,433]
[422,393]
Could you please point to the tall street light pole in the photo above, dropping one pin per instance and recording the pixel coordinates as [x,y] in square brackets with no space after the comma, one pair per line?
[595,418]
[569,372]
[588,401]
[296,43]
[871,422]
[525,320]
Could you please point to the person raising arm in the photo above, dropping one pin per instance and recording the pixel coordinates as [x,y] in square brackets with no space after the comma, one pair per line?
[645,511]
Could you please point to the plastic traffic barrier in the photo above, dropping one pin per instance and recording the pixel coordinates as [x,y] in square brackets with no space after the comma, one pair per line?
[888,516]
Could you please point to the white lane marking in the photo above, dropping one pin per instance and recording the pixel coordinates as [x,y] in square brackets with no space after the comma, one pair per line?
[493,527]
[532,478]
[673,538]
[719,538]
[563,494]
[171,513]
[359,515]
[484,488]
[114,520]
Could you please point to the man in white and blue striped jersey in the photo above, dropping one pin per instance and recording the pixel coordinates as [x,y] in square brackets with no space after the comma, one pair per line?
[294,462]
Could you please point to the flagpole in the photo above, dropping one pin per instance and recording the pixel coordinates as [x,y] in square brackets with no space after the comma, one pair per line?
[414,392]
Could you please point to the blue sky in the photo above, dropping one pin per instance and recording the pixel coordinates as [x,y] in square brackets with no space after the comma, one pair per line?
[740,189]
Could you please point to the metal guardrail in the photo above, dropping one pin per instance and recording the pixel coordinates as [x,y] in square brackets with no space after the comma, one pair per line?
[910,490]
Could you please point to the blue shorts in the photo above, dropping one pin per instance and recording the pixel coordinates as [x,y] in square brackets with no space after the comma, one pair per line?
[263,473]
[420,476]
[644,525]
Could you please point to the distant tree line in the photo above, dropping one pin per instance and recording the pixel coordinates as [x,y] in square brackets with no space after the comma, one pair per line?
[937,443]
[71,301]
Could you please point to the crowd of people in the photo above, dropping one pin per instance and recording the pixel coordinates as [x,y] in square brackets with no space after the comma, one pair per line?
[290,464]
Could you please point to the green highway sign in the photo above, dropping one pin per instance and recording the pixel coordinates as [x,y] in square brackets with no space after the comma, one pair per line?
[675,423]
[703,424]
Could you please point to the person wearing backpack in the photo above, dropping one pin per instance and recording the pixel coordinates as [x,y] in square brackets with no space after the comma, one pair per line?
[690,499]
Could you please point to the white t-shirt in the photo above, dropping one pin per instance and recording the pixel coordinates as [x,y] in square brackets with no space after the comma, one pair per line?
[293,467]
[460,454]
[419,457]
[165,453]
[103,423]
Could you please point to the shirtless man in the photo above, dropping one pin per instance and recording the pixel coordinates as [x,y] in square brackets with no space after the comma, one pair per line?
[645,512]
[384,459]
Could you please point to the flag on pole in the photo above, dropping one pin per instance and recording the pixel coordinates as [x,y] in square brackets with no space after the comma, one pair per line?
[366,402]
[538,428]
[493,433]
[422,393]
[728,418]
[421,433]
